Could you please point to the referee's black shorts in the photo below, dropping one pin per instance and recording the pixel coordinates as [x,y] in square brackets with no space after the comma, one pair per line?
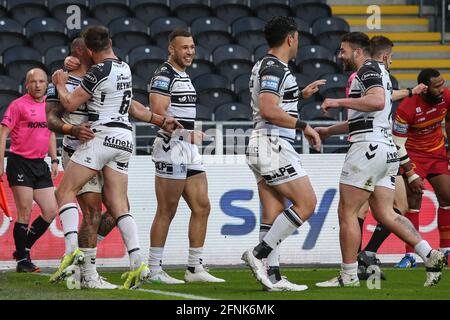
[33,173]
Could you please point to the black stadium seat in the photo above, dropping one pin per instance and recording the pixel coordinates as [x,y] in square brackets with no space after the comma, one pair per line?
[162,27]
[145,136]
[267,9]
[25,10]
[315,61]
[230,10]
[144,60]
[248,32]
[45,33]
[232,60]
[260,52]
[241,83]
[3,10]
[329,31]
[128,33]
[304,33]
[210,32]
[310,10]
[302,80]
[54,57]
[203,113]
[233,111]
[58,9]
[18,60]
[202,63]
[140,90]
[189,10]
[11,34]
[108,10]
[9,91]
[312,111]
[85,22]
[149,10]
[213,90]
[335,86]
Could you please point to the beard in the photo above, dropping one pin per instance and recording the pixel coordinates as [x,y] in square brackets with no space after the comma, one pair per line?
[432,99]
[348,65]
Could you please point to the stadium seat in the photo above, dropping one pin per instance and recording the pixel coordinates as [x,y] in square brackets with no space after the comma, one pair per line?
[304,33]
[232,60]
[230,10]
[54,57]
[9,91]
[162,27]
[58,9]
[140,92]
[11,34]
[145,136]
[335,86]
[213,90]
[248,32]
[315,61]
[312,111]
[233,112]
[73,33]
[45,33]
[25,10]
[210,32]
[189,10]
[309,10]
[335,144]
[3,10]
[303,80]
[241,83]
[149,10]
[202,63]
[260,52]
[203,113]
[329,31]
[122,55]
[245,97]
[128,33]
[267,9]
[144,60]
[18,60]
[108,10]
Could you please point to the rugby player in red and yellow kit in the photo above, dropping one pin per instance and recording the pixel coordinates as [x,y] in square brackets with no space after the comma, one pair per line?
[419,135]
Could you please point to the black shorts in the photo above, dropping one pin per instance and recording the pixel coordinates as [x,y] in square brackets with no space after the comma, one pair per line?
[33,173]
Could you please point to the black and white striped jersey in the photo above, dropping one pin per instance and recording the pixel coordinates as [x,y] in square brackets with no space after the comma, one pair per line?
[375,125]
[270,75]
[178,86]
[109,83]
[75,117]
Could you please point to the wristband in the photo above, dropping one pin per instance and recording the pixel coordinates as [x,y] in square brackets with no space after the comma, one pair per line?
[55,161]
[150,121]
[410,93]
[413,177]
[67,128]
[300,124]
[300,95]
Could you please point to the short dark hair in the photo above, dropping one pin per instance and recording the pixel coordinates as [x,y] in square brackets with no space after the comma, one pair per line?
[380,44]
[426,74]
[178,32]
[357,40]
[277,29]
[96,38]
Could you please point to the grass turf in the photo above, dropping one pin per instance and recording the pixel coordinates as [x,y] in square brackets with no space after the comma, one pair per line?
[240,285]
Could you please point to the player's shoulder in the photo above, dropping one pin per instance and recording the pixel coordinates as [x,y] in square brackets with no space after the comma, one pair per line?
[272,65]
[370,68]
[99,71]
[165,70]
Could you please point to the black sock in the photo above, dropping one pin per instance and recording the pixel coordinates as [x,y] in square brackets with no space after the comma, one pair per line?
[37,229]
[361,225]
[262,250]
[379,235]
[20,239]
[274,274]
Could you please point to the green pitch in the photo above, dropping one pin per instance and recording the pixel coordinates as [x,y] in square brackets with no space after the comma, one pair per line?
[401,284]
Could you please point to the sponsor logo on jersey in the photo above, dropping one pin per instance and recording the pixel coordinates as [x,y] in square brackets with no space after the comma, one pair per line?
[432,110]
[269,82]
[400,127]
[418,110]
[370,74]
[161,82]
[51,90]
[90,77]
[115,143]
[37,124]
[280,174]
[164,167]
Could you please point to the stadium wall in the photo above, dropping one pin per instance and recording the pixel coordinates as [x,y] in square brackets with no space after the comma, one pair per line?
[234,220]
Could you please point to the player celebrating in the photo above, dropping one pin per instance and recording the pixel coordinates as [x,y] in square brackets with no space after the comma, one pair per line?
[418,133]
[271,157]
[371,164]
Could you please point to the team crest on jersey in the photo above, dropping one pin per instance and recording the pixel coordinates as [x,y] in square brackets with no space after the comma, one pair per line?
[270,82]
[418,110]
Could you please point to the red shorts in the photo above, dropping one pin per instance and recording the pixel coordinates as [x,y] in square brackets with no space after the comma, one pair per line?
[434,163]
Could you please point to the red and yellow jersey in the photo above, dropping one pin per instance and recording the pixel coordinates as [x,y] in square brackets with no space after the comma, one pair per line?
[421,123]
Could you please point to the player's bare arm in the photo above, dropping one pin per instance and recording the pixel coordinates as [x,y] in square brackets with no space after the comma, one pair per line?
[271,112]
[335,129]
[4,133]
[71,101]
[403,93]
[53,155]
[140,112]
[312,88]
[373,100]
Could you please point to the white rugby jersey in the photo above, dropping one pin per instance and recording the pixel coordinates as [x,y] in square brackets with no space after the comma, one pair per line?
[178,86]
[80,115]
[376,125]
[109,83]
[271,75]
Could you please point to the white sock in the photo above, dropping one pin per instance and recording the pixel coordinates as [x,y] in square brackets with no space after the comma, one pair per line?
[423,248]
[129,231]
[155,258]
[68,215]
[88,268]
[284,225]
[195,259]
[350,269]
[273,259]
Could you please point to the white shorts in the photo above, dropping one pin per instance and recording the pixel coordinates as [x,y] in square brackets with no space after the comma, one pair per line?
[175,158]
[94,185]
[369,165]
[111,147]
[273,159]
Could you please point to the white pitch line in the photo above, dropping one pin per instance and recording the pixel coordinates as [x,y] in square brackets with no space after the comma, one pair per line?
[165,293]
